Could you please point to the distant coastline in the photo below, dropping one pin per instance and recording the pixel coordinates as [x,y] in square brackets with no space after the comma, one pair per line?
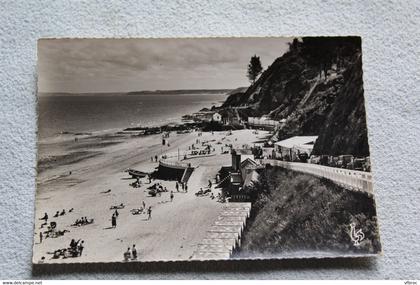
[65,113]
[180,91]
[143,92]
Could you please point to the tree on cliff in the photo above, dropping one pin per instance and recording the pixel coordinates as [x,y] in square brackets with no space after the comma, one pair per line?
[254,68]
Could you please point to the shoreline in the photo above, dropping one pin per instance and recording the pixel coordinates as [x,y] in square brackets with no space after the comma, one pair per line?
[166,237]
[75,143]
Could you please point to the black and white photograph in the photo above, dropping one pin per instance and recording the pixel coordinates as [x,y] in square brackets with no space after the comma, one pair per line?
[179,149]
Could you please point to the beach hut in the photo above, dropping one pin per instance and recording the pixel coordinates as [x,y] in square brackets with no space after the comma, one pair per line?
[289,149]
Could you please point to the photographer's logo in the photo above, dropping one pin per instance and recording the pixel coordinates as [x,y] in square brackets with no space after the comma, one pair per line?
[356,235]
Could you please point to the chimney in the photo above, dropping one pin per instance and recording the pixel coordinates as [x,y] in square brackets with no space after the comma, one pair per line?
[236,160]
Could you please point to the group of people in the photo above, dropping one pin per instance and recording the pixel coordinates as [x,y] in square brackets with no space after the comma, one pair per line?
[74,250]
[136,184]
[62,213]
[82,221]
[142,210]
[51,232]
[183,185]
[130,254]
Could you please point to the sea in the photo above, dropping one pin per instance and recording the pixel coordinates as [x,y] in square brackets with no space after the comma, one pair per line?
[87,113]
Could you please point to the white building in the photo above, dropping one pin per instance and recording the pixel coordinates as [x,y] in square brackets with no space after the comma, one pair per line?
[217,117]
[263,122]
[294,146]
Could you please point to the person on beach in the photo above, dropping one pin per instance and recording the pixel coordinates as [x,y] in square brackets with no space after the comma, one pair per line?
[114,221]
[156,158]
[127,255]
[186,187]
[172,196]
[45,217]
[63,212]
[177,186]
[40,237]
[73,243]
[149,213]
[80,248]
[134,252]
[56,214]
[116,213]
[182,186]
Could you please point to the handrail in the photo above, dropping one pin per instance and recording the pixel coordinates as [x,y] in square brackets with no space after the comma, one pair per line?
[358,180]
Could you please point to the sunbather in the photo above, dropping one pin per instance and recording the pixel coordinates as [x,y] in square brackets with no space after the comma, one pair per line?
[45,217]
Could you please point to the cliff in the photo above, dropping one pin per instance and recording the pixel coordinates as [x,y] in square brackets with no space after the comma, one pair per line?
[317,89]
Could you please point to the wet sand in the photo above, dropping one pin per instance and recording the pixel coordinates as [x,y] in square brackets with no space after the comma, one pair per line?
[97,164]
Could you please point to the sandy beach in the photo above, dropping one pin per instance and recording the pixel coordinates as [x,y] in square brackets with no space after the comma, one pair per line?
[73,173]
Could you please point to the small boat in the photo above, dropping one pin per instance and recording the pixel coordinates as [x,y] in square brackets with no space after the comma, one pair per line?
[136,173]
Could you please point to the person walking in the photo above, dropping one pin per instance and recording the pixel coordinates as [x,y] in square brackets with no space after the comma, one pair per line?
[80,248]
[172,196]
[127,255]
[114,221]
[149,213]
[177,186]
[134,252]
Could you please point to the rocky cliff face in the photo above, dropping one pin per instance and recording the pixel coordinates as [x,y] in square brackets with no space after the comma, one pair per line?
[315,89]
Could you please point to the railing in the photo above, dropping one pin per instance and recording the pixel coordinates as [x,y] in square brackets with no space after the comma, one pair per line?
[262,122]
[357,180]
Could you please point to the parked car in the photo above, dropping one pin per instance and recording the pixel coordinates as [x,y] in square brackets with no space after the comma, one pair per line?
[344,161]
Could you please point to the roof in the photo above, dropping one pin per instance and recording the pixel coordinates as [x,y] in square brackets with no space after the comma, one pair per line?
[298,141]
[248,163]
[250,177]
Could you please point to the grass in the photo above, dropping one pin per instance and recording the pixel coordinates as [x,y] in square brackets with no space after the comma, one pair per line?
[295,211]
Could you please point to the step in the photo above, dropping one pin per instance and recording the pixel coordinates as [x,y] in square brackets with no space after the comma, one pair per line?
[218,235]
[214,248]
[226,229]
[211,255]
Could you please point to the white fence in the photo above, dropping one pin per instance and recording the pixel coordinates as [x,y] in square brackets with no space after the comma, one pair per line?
[255,121]
[357,180]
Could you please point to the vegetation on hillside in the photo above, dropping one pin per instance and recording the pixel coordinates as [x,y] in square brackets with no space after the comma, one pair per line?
[317,89]
[296,211]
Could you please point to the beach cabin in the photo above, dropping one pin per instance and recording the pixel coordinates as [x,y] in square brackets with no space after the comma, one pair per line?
[292,148]
[243,173]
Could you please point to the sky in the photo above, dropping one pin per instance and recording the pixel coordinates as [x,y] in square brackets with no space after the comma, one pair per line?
[123,65]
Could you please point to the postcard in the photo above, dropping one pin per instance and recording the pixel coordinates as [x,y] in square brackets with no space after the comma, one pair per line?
[182,149]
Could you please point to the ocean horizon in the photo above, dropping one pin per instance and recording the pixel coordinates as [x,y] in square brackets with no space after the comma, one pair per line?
[89,112]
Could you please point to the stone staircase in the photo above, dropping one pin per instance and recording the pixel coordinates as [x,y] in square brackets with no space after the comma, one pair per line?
[224,236]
